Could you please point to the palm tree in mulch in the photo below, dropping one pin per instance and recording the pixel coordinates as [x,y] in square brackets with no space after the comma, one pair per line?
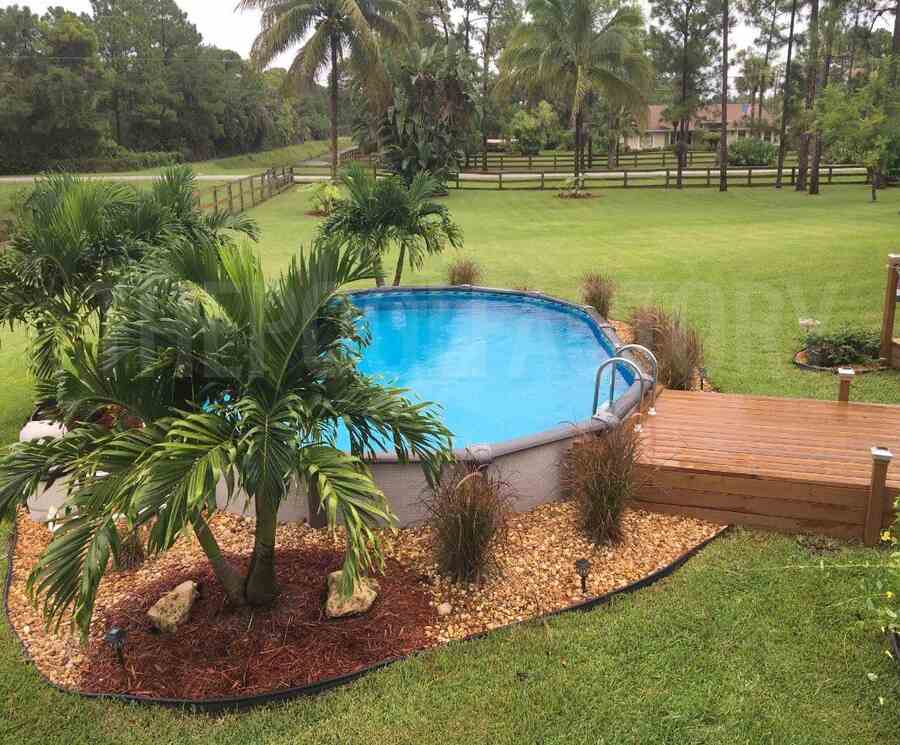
[382,212]
[579,49]
[218,378]
[328,31]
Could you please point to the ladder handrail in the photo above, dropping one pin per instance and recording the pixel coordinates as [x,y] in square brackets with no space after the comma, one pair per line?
[643,350]
[612,386]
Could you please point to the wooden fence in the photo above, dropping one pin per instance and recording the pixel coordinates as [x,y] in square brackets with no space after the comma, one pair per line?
[565,161]
[236,196]
[660,179]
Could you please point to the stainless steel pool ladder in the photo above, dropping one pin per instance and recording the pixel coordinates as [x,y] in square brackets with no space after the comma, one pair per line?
[640,376]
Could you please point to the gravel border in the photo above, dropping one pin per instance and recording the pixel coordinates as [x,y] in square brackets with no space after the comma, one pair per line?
[214,706]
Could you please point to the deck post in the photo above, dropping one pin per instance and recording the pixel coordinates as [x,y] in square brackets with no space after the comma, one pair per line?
[881,459]
[845,375]
[890,308]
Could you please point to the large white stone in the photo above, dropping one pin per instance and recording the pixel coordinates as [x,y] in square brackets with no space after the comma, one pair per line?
[41,430]
[173,608]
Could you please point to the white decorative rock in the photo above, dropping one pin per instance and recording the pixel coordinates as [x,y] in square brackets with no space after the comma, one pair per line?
[173,608]
[444,610]
[339,606]
[41,430]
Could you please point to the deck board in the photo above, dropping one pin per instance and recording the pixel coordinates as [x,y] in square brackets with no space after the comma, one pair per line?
[797,439]
[792,465]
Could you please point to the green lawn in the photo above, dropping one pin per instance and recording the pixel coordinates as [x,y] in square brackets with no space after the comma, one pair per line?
[750,643]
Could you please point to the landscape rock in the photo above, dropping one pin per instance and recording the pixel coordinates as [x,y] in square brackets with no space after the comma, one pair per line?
[339,606]
[173,608]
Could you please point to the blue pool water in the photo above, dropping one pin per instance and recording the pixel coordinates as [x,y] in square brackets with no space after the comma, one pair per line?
[501,366]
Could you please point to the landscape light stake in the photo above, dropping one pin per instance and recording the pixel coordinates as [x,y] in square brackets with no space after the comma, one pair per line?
[583,567]
[115,638]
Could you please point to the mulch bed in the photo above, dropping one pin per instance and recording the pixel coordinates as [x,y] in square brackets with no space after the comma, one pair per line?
[221,652]
[801,360]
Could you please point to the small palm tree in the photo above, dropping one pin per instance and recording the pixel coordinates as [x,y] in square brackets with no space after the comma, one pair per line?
[77,238]
[576,48]
[380,213]
[217,377]
[327,30]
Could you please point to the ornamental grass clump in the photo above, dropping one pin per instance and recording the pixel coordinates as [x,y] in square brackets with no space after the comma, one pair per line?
[463,271]
[599,474]
[677,345]
[598,291]
[469,508]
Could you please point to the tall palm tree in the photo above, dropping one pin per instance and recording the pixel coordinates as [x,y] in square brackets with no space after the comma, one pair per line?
[786,98]
[327,31]
[575,48]
[380,213]
[218,377]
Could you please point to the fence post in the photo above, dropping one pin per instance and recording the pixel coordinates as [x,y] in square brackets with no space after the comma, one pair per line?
[635,158]
[500,175]
[830,173]
[668,176]
[709,176]
[542,180]
[749,175]
[230,199]
[793,175]
[457,180]
[875,509]
[625,179]
[215,199]
[845,376]
[501,161]
[241,192]
[690,157]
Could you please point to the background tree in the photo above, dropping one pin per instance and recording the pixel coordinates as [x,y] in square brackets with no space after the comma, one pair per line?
[786,97]
[723,103]
[766,17]
[812,74]
[327,32]
[684,39]
[579,49]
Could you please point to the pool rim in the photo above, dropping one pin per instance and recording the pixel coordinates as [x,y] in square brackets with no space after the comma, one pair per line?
[623,406]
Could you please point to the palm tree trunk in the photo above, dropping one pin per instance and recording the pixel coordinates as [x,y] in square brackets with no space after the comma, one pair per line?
[261,588]
[723,137]
[578,118]
[612,143]
[334,105]
[230,579]
[787,99]
[398,272]
[812,71]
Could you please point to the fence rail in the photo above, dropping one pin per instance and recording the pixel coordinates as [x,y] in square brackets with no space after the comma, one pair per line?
[501,162]
[236,196]
[668,178]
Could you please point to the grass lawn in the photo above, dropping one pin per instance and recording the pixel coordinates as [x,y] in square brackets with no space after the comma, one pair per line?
[750,643]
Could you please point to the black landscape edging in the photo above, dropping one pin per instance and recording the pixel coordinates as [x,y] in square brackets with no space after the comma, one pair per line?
[215,706]
[895,646]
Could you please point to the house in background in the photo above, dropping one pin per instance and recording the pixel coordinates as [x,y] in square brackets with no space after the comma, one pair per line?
[660,133]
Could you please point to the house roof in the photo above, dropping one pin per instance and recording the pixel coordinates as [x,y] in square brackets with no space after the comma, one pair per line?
[736,113]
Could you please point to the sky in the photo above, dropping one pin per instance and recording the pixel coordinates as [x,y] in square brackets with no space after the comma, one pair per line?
[221,26]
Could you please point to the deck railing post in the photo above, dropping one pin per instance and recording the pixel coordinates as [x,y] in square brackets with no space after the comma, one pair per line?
[845,376]
[890,308]
[875,509]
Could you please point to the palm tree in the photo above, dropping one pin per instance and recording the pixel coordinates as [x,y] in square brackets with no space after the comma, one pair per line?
[379,213]
[327,30]
[76,239]
[219,378]
[575,48]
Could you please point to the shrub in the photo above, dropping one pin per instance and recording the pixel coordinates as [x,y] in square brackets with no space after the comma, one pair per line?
[749,151]
[598,290]
[325,197]
[125,160]
[598,474]
[677,346]
[463,271]
[468,513]
[846,346]
[525,130]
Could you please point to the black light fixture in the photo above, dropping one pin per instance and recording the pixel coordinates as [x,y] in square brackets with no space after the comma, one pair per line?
[583,567]
[115,637]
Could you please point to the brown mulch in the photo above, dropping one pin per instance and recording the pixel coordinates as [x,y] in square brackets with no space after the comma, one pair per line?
[802,360]
[223,652]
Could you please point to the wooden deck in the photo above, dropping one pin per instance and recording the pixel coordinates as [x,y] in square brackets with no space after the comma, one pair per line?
[783,464]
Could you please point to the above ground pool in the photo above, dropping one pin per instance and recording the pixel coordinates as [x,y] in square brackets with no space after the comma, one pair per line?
[501,365]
